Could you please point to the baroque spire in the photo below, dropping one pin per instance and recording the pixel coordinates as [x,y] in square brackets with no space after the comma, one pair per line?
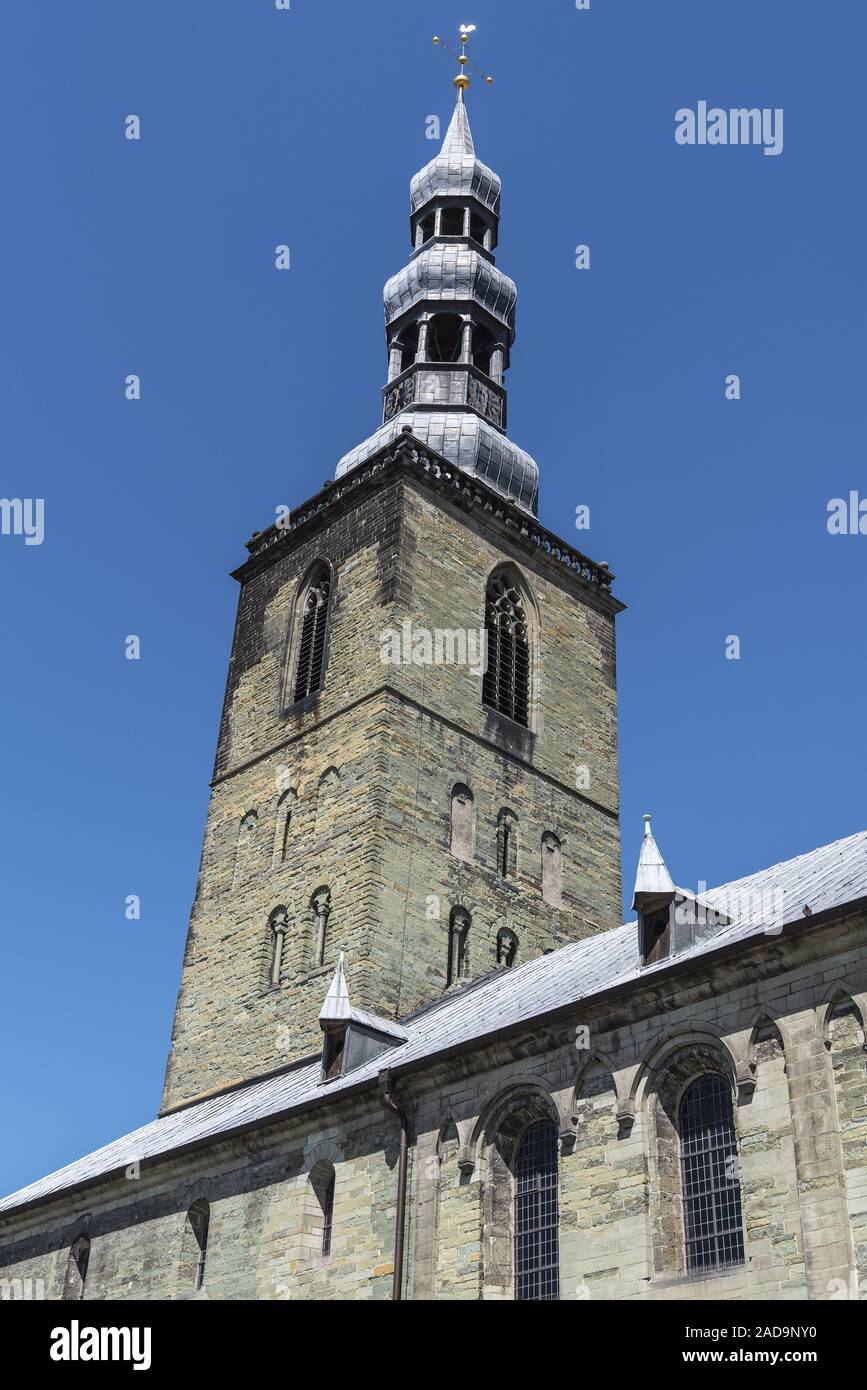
[450,321]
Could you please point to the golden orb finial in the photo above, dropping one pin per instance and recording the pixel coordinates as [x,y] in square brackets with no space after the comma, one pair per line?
[462,80]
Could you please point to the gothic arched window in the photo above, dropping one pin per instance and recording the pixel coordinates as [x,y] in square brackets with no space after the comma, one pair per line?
[76,1269]
[458,966]
[552,868]
[712,1220]
[537,1258]
[310,659]
[506,684]
[461,838]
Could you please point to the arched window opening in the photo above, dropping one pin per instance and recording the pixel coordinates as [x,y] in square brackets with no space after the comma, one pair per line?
[278,926]
[507,948]
[318,1219]
[458,967]
[552,869]
[712,1219]
[477,228]
[408,346]
[320,905]
[507,844]
[506,685]
[196,1243]
[537,1258]
[76,1269]
[245,847]
[311,640]
[328,1214]
[483,347]
[461,839]
[444,338]
[285,811]
[452,222]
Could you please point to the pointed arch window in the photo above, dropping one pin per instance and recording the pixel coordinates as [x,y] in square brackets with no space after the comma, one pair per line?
[712,1218]
[76,1269]
[506,684]
[537,1257]
[310,658]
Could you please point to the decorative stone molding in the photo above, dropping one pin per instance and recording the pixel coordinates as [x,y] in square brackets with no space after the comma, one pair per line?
[408,453]
[745,1080]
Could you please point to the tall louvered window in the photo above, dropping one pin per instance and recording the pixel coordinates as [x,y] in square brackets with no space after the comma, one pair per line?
[506,685]
[537,1258]
[311,642]
[712,1220]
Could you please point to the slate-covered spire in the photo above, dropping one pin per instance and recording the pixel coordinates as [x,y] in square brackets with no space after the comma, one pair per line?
[652,879]
[336,1007]
[450,324]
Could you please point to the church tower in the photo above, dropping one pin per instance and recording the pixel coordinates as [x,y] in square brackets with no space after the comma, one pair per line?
[417,761]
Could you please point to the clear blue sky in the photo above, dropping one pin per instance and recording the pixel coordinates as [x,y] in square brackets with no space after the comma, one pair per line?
[156,257]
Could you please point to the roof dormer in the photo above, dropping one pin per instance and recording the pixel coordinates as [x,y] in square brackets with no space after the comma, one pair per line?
[351,1037]
[670,920]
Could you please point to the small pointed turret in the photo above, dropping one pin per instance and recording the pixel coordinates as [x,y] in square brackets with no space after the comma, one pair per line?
[652,879]
[336,1008]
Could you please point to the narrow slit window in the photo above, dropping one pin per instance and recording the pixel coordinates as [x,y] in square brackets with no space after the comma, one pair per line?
[328,1215]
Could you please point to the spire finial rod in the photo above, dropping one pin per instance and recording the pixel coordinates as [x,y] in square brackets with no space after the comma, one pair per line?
[462,80]
[646,824]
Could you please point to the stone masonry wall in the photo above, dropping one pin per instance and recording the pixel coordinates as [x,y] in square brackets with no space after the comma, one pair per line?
[365,773]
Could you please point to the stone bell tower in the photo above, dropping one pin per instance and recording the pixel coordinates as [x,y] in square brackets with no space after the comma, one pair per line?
[417,760]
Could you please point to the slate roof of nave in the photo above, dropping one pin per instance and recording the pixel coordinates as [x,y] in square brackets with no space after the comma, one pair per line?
[823,879]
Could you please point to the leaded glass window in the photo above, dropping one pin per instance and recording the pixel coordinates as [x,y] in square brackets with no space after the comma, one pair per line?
[506,684]
[537,1259]
[712,1220]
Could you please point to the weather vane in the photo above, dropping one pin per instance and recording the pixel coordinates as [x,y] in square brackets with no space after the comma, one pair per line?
[462,80]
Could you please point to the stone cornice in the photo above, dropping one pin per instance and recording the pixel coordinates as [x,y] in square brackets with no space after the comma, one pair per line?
[410,457]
